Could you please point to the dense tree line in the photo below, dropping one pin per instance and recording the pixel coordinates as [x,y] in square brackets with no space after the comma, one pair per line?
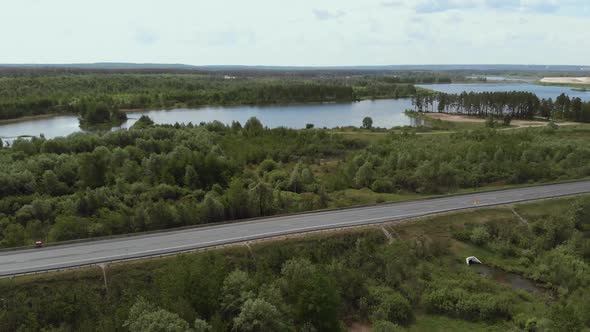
[402,76]
[518,105]
[439,163]
[565,108]
[328,282]
[100,113]
[23,96]
[155,177]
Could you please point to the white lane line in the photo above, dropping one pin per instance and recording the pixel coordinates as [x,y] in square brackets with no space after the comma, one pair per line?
[170,250]
[209,243]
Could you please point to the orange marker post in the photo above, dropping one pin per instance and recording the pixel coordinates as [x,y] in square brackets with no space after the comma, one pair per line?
[475,201]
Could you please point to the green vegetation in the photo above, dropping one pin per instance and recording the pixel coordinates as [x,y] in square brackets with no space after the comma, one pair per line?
[565,108]
[97,97]
[419,282]
[97,114]
[521,105]
[431,123]
[158,177]
[504,105]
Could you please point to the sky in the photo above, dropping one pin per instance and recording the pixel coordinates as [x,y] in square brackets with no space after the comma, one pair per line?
[296,32]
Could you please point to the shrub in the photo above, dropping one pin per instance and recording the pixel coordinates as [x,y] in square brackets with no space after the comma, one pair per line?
[479,235]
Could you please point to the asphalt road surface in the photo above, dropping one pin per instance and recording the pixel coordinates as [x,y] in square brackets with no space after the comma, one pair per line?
[93,252]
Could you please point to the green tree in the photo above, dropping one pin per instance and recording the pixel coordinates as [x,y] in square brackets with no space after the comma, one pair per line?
[201,326]
[14,236]
[390,306]
[364,175]
[51,185]
[313,297]
[581,214]
[262,196]
[145,317]
[367,123]
[237,289]
[94,167]
[143,122]
[490,122]
[479,235]
[191,179]
[295,180]
[257,315]
[253,127]
[238,200]
[68,228]
[212,209]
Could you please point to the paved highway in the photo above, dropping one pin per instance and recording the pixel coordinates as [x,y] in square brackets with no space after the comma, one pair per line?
[93,252]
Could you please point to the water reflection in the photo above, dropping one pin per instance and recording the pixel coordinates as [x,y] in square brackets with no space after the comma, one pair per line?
[385,113]
[514,280]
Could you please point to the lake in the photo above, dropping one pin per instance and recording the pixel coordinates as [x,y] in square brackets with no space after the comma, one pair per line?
[542,91]
[385,113]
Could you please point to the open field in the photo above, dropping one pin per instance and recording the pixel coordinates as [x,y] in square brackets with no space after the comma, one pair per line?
[566,80]
[473,119]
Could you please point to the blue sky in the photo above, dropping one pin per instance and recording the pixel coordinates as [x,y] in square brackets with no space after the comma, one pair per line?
[303,32]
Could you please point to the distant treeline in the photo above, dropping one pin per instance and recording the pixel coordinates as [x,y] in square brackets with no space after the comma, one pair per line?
[25,96]
[566,108]
[239,71]
[516,104]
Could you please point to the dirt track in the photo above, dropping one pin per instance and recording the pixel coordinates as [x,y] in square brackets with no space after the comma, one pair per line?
[566,80]
[471,119]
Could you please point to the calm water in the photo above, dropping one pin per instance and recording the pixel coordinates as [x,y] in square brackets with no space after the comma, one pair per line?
[514,280]
[385,113]
[542,91]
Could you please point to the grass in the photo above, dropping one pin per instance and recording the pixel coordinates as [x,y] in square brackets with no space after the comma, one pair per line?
[362,135]
[438,127]
[554,207]
[365,196]
[438,124]
[441,227]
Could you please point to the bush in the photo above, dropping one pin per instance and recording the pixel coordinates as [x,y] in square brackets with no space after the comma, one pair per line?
[389,305]
[479,235]
[460,303]
[383,186]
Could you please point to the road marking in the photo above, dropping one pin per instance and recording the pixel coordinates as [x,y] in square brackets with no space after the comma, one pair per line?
[222,241]
[427,207]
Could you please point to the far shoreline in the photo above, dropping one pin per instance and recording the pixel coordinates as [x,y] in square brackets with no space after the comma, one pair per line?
[32,118]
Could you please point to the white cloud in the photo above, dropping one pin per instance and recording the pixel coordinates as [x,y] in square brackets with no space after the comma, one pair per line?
[327,15]
[305,32]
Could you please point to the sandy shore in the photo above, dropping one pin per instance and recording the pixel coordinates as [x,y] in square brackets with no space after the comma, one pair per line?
[29,118]
[472,119]
[130,110]
[566,80]
[51,115]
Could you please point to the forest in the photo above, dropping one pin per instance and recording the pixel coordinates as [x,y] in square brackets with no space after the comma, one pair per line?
[418,281]
[156,177]
[80,94]
[517,105]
